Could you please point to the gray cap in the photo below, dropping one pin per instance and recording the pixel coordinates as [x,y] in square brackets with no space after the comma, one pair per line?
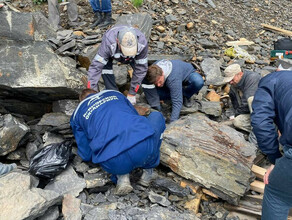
[127,38]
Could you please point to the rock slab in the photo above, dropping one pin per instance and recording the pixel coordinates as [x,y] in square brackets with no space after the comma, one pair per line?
[214,155]
[11,133]
[20,200]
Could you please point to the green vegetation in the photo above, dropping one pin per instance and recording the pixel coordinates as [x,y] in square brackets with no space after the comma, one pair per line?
[137,3]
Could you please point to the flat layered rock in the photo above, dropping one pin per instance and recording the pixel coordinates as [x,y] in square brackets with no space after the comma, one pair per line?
[143,21]
[214,155]
[32,69]
[19,199]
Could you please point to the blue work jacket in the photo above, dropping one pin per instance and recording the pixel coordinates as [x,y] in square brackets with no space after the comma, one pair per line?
[106,124]
[272,105]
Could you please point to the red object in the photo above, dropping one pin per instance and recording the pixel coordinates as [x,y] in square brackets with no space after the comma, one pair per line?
[286,52]
[290,52]
[137,87]
[88,85]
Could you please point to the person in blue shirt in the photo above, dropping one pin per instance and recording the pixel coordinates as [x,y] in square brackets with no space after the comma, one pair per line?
[109,131]
[272,112]
[171,79]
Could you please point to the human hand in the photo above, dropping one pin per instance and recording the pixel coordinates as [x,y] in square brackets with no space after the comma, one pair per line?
[132,99]
[266,176]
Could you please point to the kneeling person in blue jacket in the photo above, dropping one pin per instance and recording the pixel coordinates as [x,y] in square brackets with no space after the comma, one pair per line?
[109,131]
[175,80]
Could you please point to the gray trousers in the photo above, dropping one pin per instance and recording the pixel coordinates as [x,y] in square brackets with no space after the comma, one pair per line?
[54,14]
[243,121]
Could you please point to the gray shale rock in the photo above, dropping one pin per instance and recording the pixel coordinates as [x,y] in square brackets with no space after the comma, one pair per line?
[214,155]
[66,106]
[54,119]
[20,200]
[11,132]
[170,186]
[156,198]
[143,21]
[51,214]
[211,68]
[71,208]
[67,182]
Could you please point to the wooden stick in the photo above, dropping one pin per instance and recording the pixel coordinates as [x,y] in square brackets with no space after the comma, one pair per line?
[277,30]
[258,171]
[257,186]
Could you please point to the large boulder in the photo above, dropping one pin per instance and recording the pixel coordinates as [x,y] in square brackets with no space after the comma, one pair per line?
[213,155]
[30,71]
[24,26]
[141,21]
[11,132]
[33,69]
[19,199]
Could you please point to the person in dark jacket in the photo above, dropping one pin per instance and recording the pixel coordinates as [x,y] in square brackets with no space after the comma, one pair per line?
[175,80]
[272,105]
[109,131]
[127,45]
[243,87]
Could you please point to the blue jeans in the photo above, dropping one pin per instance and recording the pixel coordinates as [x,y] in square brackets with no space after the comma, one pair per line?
[145,154]
[105,5]
[191,86]
[278,193]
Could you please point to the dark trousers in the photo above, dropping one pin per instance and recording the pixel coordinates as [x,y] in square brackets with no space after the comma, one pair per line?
[278,193]
[104,7]
[145,154]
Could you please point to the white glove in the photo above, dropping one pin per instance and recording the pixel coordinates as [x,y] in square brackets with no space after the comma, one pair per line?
[132,99]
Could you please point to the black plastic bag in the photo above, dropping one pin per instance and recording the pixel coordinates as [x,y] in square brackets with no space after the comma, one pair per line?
[51,160]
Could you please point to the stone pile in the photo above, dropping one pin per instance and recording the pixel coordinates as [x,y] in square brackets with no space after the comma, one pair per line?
[36,102]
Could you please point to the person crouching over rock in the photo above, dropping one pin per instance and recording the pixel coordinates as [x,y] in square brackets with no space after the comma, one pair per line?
[243,87]
[173,80]
[109,131]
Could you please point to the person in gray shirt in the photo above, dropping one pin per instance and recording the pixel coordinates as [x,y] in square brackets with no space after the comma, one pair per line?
[243,87]
[126,45]
[171,79]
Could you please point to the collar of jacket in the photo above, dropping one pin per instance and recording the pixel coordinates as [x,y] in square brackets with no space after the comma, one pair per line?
[90,96]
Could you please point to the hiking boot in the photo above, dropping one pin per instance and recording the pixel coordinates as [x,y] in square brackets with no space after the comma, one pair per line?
[147,177]
[107,20]
[123,185]
[97,19]
[187,102]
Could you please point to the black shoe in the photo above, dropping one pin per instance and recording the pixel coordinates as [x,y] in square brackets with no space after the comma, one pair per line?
[97,18]
[187,102]
[107,20]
